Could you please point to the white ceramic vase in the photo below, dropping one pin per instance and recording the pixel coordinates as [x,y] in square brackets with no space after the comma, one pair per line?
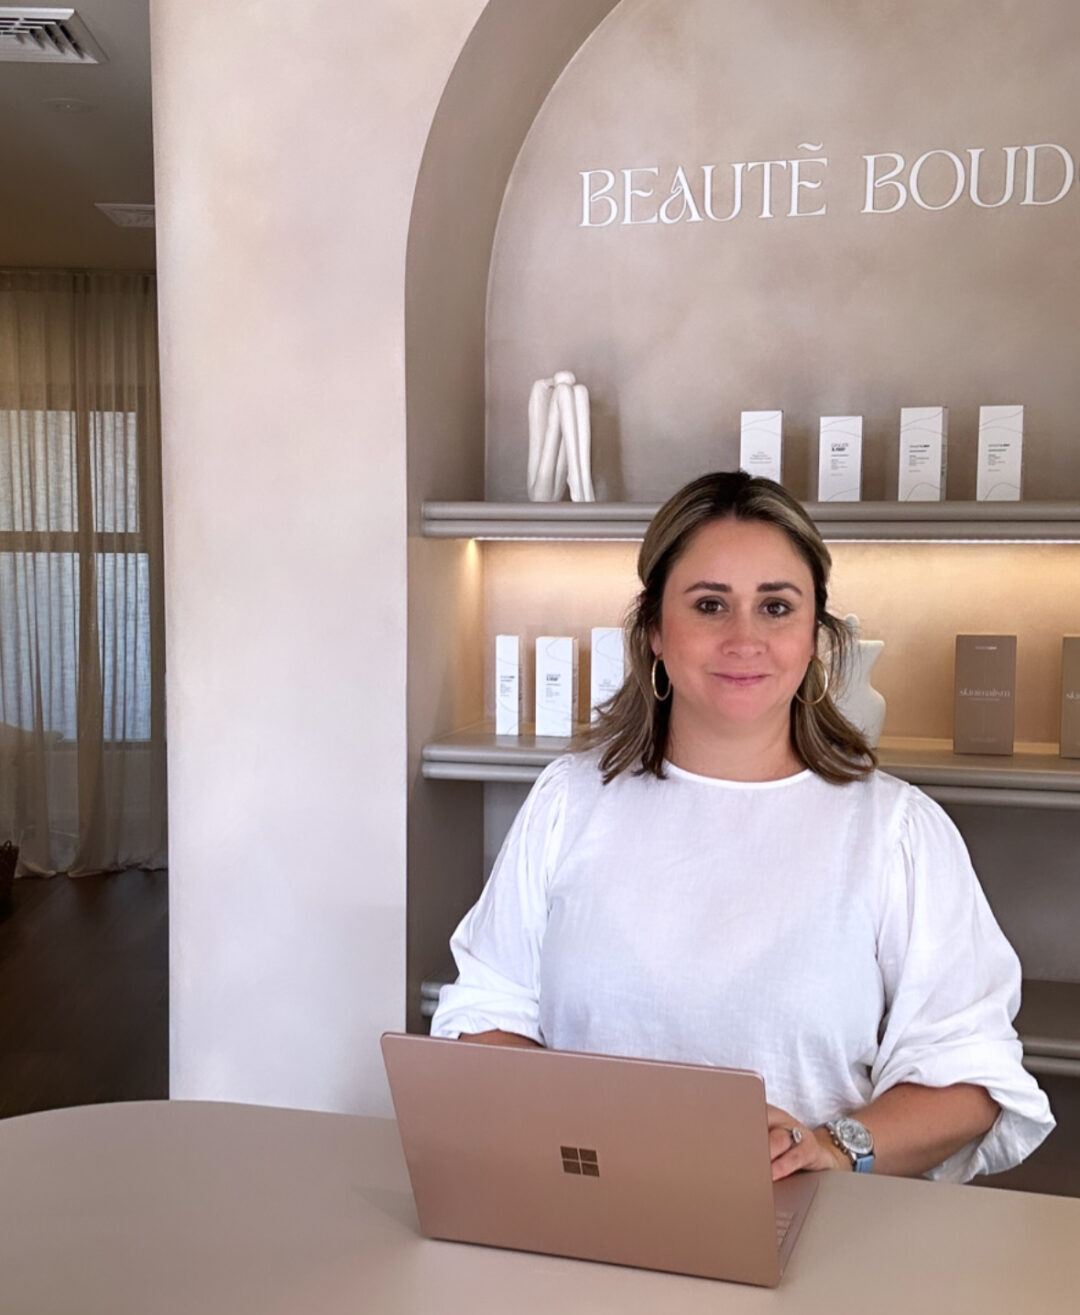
[857,699]
[560,440]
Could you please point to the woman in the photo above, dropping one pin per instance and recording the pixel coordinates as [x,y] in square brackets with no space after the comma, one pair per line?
[727,879]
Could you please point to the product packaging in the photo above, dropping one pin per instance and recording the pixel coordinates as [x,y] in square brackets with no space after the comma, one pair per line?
[507,685]
[840,459]
[924,437]
[556,684]
[1070,696]
[1001,440]
[607,666]
[760,443]
[983,709]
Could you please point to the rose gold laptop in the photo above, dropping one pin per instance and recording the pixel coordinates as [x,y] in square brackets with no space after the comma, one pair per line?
[629,1161]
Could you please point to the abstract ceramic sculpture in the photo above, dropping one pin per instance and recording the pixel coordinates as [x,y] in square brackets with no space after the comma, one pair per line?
[560,440]
[857,699]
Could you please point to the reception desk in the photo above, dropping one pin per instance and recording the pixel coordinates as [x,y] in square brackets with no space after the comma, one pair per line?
[160,1208]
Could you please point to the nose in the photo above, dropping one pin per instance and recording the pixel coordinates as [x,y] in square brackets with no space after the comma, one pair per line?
[742,636]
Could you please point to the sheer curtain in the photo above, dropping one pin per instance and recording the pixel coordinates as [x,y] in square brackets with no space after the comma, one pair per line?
[82,719]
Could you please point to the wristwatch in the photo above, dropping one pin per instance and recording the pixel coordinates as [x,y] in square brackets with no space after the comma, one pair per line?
[855,1141]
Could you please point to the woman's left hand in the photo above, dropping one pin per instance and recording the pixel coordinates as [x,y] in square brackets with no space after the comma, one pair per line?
[794,1146]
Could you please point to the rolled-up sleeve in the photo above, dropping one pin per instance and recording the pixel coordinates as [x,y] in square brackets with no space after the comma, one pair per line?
[498,943]
[952,989]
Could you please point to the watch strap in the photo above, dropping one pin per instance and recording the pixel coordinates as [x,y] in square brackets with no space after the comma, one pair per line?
[859,1163]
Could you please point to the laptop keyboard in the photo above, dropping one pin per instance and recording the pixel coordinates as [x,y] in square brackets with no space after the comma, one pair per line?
[784,1220]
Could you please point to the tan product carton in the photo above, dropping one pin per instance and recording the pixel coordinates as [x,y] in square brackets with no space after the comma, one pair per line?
[983,710]
[1070,696]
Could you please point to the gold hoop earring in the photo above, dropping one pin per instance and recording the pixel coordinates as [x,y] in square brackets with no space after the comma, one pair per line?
[660,698]
[812,703]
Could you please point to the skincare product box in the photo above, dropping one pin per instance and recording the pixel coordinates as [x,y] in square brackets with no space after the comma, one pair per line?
[760,443]
[556,684]
[607,666]
[507,685]
[1070,697]
[1001,438]
[840,459]
[985,687]
[924,438]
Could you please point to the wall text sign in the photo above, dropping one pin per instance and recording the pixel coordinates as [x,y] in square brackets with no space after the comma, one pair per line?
[1041,174]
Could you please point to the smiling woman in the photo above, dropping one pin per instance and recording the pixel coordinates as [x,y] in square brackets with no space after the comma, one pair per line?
[725,878]
[727,626]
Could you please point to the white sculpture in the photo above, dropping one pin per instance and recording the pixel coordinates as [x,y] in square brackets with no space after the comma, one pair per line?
[857,699]
[560,440]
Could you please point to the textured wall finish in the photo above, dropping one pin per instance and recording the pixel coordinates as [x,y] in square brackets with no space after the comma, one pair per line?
[283,402]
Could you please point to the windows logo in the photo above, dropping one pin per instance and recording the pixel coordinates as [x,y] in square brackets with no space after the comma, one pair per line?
[580,1160]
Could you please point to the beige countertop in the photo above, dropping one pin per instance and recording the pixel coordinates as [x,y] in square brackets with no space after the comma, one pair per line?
[163,1208]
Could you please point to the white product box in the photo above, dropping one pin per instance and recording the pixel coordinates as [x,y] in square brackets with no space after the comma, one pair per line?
[507,685]
[607,668]
[924,453]
[1001,438]
[761,443]
[556,684]
[840,459]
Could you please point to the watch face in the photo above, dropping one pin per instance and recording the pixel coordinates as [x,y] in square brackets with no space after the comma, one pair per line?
[854,1136]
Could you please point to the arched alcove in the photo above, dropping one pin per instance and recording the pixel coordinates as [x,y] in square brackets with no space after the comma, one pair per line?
[510,62]
[512,58]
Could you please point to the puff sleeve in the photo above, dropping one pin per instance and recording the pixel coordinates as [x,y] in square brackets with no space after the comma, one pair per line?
[497,944]
[952,989]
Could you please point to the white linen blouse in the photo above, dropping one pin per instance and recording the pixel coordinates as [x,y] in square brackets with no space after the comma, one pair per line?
[833,938]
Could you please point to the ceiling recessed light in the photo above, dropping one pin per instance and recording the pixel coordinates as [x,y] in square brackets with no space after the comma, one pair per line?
[68,105]
[125,215]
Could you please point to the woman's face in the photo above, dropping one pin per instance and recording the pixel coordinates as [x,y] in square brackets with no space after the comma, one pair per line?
[736,627]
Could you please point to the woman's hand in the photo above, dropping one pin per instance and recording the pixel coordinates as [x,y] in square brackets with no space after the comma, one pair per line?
[794,1146]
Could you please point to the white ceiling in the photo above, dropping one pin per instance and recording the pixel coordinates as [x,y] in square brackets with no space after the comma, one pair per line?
[55,165]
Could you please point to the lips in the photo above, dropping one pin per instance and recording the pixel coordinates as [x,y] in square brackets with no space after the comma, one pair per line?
[740,680]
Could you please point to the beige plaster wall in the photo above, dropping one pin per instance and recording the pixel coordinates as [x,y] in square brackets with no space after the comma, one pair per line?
[285,176]
[677,327]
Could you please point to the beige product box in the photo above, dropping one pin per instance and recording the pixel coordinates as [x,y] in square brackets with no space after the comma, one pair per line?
[983,709]
[1070,696]
[761,443]
[556,684]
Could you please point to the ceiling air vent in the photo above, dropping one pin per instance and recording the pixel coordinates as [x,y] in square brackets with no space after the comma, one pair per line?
[46,36]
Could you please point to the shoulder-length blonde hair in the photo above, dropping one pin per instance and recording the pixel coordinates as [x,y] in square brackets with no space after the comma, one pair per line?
[633,725]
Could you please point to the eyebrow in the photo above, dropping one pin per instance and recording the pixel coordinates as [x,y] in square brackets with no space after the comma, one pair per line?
[767,587]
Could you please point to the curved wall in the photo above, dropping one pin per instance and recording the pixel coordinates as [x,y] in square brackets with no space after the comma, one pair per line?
[513,55]
[677,326]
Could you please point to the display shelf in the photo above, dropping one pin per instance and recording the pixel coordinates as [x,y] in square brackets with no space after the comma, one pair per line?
[876,521]
[1030,778]
[1049,1026]
[1048,1022]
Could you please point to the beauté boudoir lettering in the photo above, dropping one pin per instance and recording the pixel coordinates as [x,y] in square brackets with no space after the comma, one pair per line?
[969,693]
[1038,175]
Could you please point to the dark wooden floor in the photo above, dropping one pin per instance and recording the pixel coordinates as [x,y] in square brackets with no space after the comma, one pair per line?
[84,991]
